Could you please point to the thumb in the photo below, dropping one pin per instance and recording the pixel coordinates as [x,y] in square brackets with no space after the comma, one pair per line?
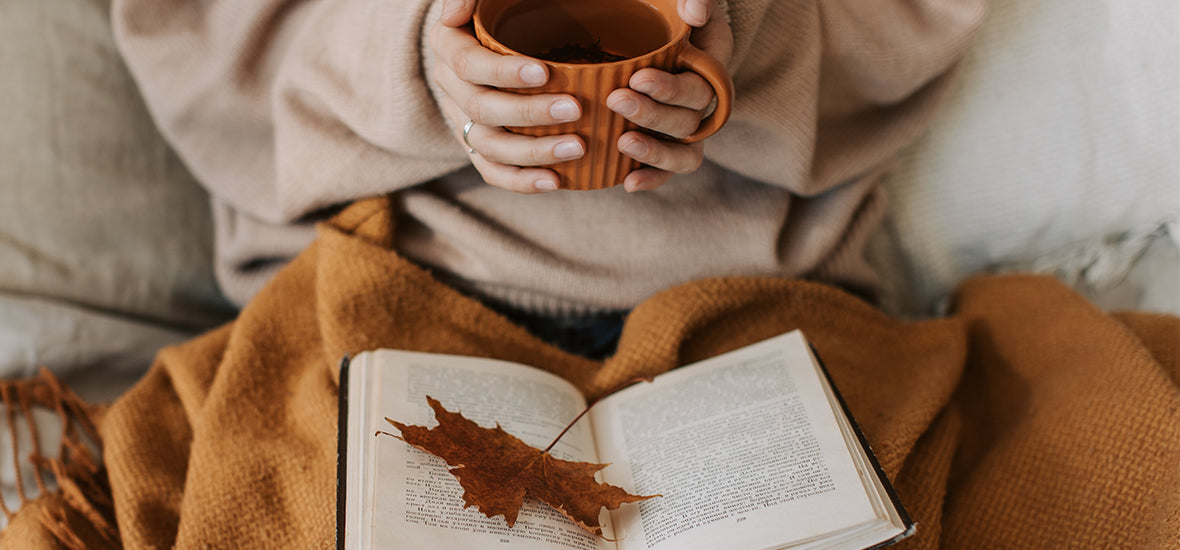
[456,13]
[694,12]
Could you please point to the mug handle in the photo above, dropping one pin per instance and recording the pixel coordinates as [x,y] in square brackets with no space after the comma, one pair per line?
[697,61]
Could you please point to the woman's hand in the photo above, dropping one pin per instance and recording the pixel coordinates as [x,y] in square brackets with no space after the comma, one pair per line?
[469,74]
[670,104]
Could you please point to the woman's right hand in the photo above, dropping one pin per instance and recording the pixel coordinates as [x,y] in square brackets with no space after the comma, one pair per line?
[468,74]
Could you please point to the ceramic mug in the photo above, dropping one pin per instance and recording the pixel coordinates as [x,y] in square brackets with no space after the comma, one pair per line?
[592,47]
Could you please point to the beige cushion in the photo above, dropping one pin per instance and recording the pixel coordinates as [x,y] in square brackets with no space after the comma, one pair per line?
[95,210]
[1058,151]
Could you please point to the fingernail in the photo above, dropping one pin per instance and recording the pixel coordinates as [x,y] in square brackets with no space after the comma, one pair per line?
[635,148]
[564,110]
[698,11]
[625,106]
[545,185]
[532,74]
[568,149]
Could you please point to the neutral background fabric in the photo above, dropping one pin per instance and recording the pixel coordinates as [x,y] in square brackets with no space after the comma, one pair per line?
[96,210]
[1058,148]
[105,239]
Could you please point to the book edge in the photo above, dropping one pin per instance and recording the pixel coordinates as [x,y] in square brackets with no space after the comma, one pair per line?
[341,452]
[883,479]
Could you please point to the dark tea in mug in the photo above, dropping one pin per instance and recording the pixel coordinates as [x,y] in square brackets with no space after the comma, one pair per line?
[581,31]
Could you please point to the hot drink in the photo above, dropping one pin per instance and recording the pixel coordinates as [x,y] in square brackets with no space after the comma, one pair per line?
[592,48]
[580,53]
[581,31]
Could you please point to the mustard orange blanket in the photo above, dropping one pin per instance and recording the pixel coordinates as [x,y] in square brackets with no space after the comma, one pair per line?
[1026,419]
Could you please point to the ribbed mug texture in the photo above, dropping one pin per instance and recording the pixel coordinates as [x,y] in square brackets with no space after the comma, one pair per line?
[603,165]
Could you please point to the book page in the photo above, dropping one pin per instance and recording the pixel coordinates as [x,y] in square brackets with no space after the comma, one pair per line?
[413,501]
[744,448]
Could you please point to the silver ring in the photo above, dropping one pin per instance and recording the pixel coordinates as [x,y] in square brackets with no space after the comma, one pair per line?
[466,132]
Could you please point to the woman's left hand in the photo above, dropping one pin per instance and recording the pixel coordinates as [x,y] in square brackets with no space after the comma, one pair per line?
[670,104]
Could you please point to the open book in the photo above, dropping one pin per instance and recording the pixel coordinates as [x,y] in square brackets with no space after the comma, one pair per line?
[751,450]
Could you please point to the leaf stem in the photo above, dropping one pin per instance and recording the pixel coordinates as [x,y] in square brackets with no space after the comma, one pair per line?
[591,404]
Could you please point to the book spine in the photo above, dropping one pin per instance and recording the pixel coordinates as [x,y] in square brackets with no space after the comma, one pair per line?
[341,452]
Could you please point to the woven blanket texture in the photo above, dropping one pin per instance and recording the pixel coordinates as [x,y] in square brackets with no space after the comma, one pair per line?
[1027,418]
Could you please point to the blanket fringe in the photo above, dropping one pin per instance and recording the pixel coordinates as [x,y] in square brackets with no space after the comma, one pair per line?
[79,512]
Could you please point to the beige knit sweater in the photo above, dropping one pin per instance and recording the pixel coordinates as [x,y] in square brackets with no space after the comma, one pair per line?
[286,109]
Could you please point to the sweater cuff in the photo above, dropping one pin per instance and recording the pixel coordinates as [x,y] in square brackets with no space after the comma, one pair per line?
[427,58]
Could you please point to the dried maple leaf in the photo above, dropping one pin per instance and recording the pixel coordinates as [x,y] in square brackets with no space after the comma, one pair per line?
[497,470]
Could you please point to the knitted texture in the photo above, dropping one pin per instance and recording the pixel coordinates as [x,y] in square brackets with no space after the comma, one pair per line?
[1026,419]
[284,109]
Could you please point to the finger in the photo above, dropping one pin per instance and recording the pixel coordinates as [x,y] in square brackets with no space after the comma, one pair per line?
[694,12]
[476,64]
[504,147]
[715,39]
[456,13]
[645,179]
[686,89]
[514,178]
[677,122]
[492,107]
[679,158]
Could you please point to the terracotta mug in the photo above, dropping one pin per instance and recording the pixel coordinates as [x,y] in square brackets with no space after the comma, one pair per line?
[592,47]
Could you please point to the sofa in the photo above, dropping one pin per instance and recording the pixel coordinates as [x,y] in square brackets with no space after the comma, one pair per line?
[1057,151]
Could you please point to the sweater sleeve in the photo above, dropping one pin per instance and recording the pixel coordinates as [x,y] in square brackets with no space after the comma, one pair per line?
[284,107]
[829,90]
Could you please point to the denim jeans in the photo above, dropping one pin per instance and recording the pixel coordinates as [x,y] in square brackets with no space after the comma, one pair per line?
[593,336]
